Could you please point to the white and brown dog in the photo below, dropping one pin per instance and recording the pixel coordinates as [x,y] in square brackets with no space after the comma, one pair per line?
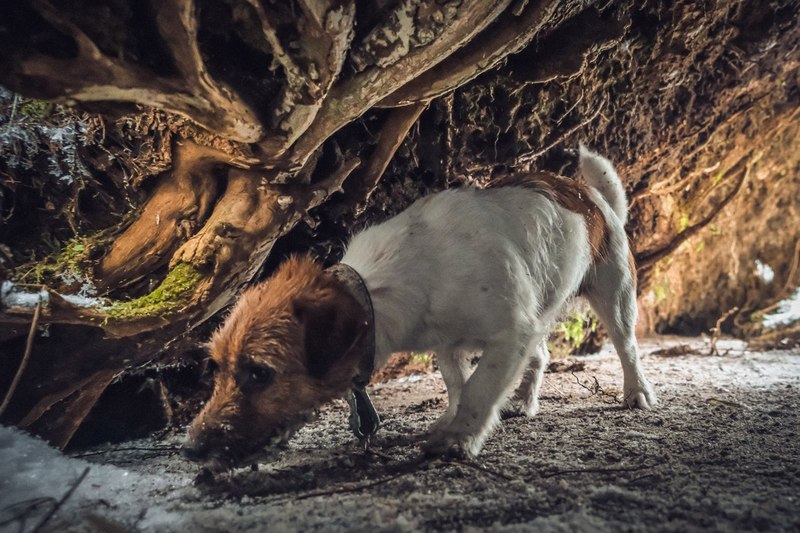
[458,271]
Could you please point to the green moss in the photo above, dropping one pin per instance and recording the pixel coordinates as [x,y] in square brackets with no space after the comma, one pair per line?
[166,299]
[67,266]
[660,292]
[683,223]
[422,358]
[36,110]
[576,328]
[700,246]
[718,178]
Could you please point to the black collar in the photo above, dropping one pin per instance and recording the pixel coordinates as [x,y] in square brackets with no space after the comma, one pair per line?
[366,345]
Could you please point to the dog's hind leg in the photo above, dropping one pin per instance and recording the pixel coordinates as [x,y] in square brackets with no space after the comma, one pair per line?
[525,401]
[456,368]
[613,296]
[482,396]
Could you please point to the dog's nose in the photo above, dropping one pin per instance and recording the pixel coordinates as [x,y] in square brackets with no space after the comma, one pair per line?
[194,450]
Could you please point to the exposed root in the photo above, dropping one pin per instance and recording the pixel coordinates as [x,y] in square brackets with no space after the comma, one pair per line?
[87,77]
[392,134]
[509,34]
[350,98]
[178,205]
[324,38]
[646,261]
[716,331]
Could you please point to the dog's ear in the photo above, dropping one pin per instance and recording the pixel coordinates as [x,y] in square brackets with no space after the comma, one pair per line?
[331,326]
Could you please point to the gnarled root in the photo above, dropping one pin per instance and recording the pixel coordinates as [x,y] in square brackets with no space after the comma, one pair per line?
[178,205]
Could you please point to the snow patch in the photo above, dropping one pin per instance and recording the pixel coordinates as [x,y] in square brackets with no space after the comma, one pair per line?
[31,469]
[788,312]
[765,272]
[12,295]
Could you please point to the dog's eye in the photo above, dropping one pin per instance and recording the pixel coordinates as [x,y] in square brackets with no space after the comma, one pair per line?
[208,367]
[260,375]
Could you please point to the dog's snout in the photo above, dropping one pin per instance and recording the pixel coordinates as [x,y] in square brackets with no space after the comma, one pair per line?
[195,449]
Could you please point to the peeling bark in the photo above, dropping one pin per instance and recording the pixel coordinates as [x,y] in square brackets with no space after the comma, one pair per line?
[325,35]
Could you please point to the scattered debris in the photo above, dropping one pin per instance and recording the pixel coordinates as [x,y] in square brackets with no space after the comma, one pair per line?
[565,365]
[675,351]
[607,396]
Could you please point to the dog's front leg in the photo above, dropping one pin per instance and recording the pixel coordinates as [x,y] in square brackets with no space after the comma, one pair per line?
[455,367]
[481,398]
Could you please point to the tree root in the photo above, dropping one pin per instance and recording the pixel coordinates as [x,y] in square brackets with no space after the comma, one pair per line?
[351,97]
[180,202]
[93,76]
[509,34]
[392,134]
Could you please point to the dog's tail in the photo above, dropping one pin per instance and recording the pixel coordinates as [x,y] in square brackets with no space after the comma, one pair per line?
[600,174]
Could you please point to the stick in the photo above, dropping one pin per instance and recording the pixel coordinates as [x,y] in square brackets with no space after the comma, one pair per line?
[479,468]
[716,331]
[599,470]
[25,358]
[159,449]
[60,502]
[352,488]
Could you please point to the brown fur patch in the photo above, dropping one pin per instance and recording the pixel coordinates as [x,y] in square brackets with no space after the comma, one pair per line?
[569,194]
[301,324]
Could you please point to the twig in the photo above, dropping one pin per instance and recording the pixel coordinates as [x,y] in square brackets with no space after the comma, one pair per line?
[599,470]
[27,355]
[60,502]
[716,330]
[596,390]
[173,449]
[377,453]
[19,511]
[352,488]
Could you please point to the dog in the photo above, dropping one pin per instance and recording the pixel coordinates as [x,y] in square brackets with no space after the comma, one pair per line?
[460,270]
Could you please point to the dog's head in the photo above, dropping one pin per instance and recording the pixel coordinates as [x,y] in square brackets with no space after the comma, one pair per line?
[286,348]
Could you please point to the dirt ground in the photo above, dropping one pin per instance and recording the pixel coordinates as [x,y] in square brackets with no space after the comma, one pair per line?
[720,453]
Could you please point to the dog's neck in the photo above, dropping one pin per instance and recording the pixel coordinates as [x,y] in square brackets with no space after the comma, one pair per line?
[365,346]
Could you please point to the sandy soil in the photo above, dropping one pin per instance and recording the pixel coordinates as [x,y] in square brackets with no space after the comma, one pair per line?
[720,453]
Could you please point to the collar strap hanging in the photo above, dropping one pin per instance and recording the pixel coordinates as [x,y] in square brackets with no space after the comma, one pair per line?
[364,420]
[366,346]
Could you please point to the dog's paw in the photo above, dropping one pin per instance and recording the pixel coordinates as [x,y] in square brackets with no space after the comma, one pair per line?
[442,422]
[640,396]
[451,444]
[516,407]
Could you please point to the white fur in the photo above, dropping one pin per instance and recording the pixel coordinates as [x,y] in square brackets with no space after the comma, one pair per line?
[490,270]
[600,174]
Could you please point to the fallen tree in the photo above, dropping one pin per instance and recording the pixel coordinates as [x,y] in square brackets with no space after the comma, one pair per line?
[267,119]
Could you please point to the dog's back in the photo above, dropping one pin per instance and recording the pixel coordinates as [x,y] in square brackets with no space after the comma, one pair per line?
[463,266]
